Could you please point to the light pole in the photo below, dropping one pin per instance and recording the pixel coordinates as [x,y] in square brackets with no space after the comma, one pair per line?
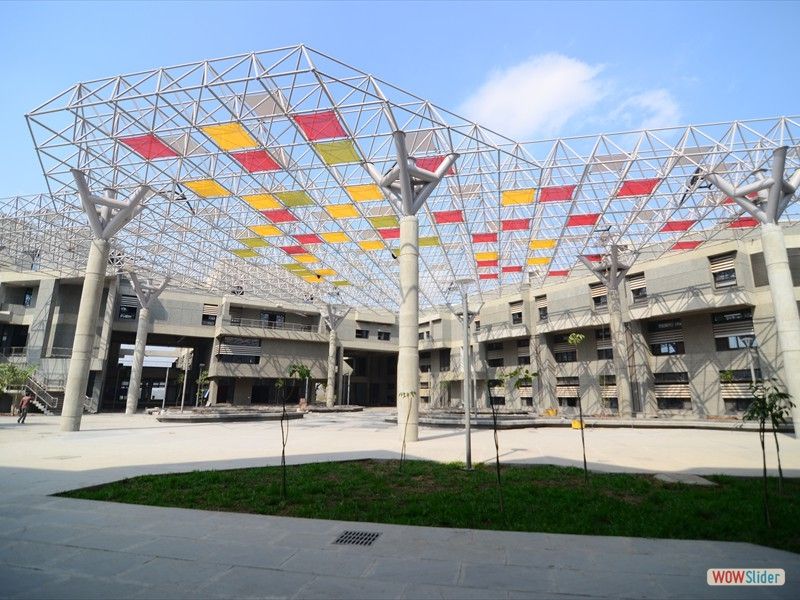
[466,360]
[166,381]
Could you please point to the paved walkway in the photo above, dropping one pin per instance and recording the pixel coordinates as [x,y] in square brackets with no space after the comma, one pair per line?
[63,548]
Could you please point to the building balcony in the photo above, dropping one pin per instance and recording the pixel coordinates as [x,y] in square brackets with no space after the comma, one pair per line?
[572,320]
[269,329]
[500,331]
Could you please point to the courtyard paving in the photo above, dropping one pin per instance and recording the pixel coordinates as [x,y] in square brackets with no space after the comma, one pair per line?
[65,548]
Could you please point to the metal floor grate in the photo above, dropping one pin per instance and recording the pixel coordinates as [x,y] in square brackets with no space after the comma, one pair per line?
[357,538]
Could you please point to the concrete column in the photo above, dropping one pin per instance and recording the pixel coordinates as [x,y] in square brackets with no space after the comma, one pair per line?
[105,342]
[330,384]
[135,383]
[213,390]
[620,351]
[408,355]
[787,321]
[78,374]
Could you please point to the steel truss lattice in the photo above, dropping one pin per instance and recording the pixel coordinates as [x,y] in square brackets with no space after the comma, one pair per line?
[258,164]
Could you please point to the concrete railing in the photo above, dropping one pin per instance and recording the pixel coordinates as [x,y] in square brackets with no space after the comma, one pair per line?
[268,325]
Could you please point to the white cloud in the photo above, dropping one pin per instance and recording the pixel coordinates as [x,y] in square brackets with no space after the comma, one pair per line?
[553,94]
[648,110]
[535,98]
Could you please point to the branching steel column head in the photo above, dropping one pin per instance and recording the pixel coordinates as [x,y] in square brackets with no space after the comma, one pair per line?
[611,271]
[146,292]
[773,193]
[406,185]
[106,214]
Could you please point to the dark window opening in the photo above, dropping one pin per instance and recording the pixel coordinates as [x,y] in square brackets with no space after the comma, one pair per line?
[384,336]
[516,318]
[362,334]
[566,356]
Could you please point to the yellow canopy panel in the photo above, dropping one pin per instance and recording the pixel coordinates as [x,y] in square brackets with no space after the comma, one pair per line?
[364,193]
[335,153]
[230,136]
[335,237]
[371,245]
[539,260]
[542,244]
[207,188]
[514,197]
[262,201]
[325,272]
[266,230]
[486,256]
[311,279]
[432,240]
[294,198]
[305,258]
[245,252]
[340,283]
[384,222]
[342,211]
[255,242]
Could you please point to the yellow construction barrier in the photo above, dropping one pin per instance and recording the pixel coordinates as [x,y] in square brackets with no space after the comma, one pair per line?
[551,412]
[576,423]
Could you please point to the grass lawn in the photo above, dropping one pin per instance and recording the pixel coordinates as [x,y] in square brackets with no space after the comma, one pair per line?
[537,498]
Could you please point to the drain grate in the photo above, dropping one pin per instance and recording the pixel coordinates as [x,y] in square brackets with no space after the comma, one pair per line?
[357,538]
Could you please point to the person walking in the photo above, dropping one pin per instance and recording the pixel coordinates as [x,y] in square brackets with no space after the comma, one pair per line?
[23,406]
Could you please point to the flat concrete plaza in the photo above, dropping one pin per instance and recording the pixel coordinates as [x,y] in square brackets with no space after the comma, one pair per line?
[65,548]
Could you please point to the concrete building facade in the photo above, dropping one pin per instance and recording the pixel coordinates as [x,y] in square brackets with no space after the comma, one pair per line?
[699,326]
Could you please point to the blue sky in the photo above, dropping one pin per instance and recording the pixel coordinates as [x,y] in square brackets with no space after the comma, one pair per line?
[530,70]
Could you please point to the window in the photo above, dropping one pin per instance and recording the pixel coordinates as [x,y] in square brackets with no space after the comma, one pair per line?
[477,325]
[733,330]
[424,335]
[606,380]
[210,312]
[605,354]
[421,335]
[28,297]
[128,308]
[516,312]
[674,403]
[567,380]
[497,400]
[272,320]
[611,403]
[568,402]
[603,337]
[527,401]
[723,270]
[239,360]
[541,306]
[739,376]
[444,359]
[495,362]
[668,378]
[566,356]
[666,337]
[737,405]
[523,343]
[384,336]
[599,294]
[424,385]
[523,360]
[362,334]
[491,346]
[637,286]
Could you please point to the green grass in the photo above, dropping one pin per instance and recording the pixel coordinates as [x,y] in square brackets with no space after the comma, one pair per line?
[537,498]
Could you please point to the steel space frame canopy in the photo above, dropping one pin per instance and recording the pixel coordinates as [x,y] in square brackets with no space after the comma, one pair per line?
[258,161]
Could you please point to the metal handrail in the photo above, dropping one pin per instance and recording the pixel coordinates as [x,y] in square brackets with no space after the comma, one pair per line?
[266,324]
[57,352]
[14,351]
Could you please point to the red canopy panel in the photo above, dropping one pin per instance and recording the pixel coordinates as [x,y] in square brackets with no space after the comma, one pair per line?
[515,224]
[512,269]
[560,193]
[750,196]
[563,273]
[593,257]
[480,238]
[280,215]
[256,161]
[637,187]
[308,238]
[678,225]
[149,146]
[431,163]
[448,216]
[294,249]
[582,220]
[320,126]
[685,245]
[744,222]
[392,233]
[487,263]
[488,276]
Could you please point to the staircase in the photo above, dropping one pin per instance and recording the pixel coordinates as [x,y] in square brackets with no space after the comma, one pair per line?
[48,403]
